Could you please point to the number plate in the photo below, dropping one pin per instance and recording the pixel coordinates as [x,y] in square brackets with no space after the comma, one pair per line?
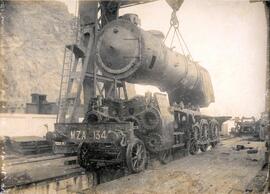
[59,143]
[100,134]
[78,134]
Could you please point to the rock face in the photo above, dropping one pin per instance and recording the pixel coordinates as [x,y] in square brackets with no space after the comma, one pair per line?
[33,37]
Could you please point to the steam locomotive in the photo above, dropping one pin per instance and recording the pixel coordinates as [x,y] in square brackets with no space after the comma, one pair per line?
[127,132]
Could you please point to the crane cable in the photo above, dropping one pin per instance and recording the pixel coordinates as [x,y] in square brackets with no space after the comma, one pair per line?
[174,23]
[76,15]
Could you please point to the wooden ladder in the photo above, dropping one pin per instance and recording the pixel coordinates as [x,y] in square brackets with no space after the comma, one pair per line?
[69,101]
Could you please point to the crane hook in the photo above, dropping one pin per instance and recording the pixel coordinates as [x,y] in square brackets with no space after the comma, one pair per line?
[174,20]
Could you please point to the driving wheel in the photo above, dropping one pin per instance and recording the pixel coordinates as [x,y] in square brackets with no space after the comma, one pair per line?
[203,147]
[83,152]
[165,156]
[194,147]
[136,156]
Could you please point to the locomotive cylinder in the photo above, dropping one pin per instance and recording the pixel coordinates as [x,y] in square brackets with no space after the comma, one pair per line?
[126,52]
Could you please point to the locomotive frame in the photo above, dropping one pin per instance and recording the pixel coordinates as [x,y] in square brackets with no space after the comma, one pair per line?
[129,141]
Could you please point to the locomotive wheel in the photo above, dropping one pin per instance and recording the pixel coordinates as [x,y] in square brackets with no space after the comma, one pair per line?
[150,119]
[204,134]
[195,137]
[203,147]
[136,156]
[82,158]
[196,130]
[165,156]
[204,129]
[214,126]
[82,153]
[153,142]
[213,144]
[194,147]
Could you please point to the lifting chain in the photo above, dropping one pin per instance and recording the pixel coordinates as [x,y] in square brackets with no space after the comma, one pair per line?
[174,23]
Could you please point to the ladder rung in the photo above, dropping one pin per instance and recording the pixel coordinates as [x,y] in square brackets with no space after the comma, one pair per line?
[68,59]
[62,102]
[71,97]
[62,94]
[69,55]
[74,75]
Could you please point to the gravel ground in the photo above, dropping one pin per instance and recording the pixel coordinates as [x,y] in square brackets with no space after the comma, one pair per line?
[221,170]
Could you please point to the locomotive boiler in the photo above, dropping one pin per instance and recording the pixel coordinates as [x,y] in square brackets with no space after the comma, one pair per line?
[127,52]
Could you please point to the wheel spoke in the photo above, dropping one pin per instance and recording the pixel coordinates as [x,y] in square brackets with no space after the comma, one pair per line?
[139,148]
[135,163]
[83,151]
[164,155]
[141,153]
[135,158]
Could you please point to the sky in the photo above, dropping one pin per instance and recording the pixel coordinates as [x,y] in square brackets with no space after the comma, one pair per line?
[228,38]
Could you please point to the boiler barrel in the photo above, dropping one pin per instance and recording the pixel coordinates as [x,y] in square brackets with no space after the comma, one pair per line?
[126,52]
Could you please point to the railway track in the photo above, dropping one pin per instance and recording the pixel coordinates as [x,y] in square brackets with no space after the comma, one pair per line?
[32,159]
[53,171]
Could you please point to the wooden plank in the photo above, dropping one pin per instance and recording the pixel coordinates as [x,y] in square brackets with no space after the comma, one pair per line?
[30,160]
[38,171]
